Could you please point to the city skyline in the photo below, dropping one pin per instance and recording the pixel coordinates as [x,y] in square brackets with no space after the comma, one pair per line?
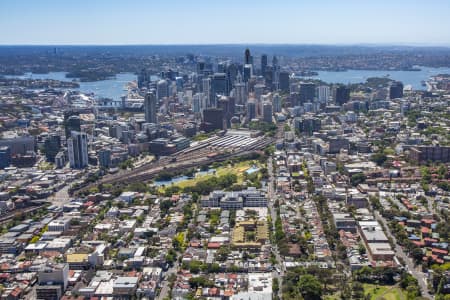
[199,22]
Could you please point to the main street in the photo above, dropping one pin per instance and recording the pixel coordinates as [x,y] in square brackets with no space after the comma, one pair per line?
[272,195]
[412,269]
[279,271]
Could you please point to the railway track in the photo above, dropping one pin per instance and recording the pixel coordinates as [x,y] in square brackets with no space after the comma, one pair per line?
[189,158]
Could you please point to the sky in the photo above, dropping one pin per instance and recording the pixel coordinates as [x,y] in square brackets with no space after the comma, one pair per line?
[105,22]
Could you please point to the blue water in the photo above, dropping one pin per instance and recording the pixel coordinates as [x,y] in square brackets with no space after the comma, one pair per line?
[182,178]
[413,78]
[114,88]
[111,88]
[252,170]
[173,180]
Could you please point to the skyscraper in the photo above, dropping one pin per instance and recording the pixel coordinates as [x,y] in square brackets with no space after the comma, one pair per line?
[104,158]
[396,90]
[232,72]
[267,112]
[276,100]
[268,77]
[162,89]
[150,108]
[323,93]
[276,73]
[72,123]
[251,110]
[77,146]
[219,84]
[263,64]
[5,156]
[248,72]
[307,92]
[213,119]
[240,93]
[341,94]
[52,145]
[284,81]
[248,59]
[206,85]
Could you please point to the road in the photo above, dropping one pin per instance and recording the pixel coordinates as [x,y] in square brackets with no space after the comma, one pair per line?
[273,213]
[165,284]
[61,197]
[419,275]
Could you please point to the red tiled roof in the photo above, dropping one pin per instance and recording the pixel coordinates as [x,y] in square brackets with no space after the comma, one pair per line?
[428,221]
[213,291]
[425,229]
[437,250]
[16,292]
[213,245]
[419,243]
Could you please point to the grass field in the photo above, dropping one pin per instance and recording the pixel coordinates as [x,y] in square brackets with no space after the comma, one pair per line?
[387,292]
[376,292]
[238,169]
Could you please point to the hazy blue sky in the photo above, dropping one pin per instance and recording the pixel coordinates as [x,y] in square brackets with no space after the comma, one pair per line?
[229,21]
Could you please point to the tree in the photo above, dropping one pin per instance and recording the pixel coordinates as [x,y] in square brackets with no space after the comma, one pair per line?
[357,179]
[361,249]
[358,290]
[417,254]
[310,287]
[379,158]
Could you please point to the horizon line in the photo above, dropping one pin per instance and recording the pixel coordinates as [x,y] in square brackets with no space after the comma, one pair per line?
[418,45]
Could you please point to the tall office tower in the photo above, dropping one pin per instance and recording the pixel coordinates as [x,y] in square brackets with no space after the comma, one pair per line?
[267,112]
[143,79]
[341,94]
[396,90]
[222,67]
[200,67]
[77,146]
[162,89]
[196,99]
[206,84]
[251,110]
[263,64]
[72,123]
[307,92]
[219,84]
[248,59]
[104,158]
[150,108]
[52,145]
[323,93]
[284,81]
[240,93]
[259,91]
[248,72]
[268,77]
[307,124]
[199,102]
[179,81]
[276,73]
[232,72]
[213,119]
[5,156]
[276,100]
[228,106]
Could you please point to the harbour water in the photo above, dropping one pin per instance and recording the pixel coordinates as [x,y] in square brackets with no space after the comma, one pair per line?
[114,88]
[413,78]
[111,88]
